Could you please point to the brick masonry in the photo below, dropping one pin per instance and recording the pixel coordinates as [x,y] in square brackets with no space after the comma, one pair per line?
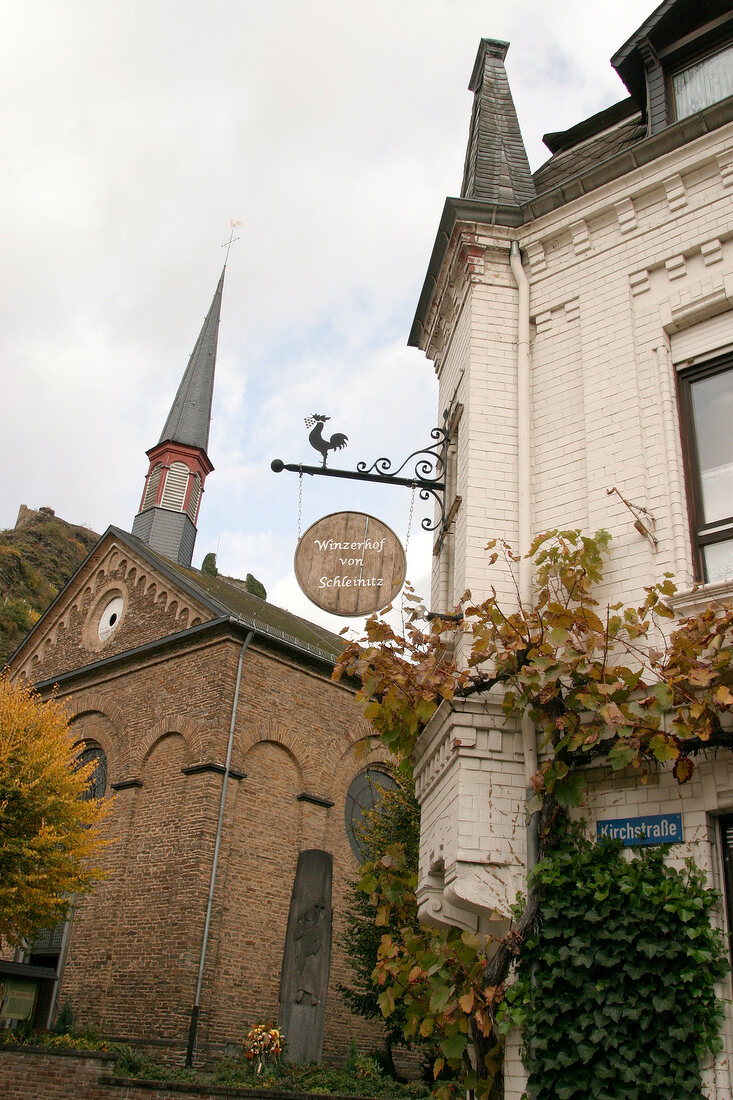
[626,284]
[161,718]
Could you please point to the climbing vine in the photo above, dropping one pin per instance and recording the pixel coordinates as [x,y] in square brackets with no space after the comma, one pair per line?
[615,682]
[615,988]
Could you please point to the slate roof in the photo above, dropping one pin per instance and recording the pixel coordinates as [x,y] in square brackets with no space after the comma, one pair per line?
[190,416]
[589,143]
[496,169]
[226,599]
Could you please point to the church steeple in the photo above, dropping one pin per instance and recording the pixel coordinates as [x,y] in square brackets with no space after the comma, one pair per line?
[179,463]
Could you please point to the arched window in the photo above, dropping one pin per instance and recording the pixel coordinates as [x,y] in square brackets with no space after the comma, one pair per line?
[194,498]
[365,792]
[97,784]
[151,489]
[174,490]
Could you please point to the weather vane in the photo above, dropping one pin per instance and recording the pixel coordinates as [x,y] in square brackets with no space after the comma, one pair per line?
[337,442]
[232,239]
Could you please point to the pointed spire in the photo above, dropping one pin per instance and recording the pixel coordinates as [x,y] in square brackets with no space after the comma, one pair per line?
[496,168]
[179,464]
[190,416]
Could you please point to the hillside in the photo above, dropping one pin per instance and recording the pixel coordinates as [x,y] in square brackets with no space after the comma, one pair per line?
[37,557]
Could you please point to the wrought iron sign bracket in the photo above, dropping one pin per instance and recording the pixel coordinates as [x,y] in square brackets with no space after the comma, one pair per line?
[428,476]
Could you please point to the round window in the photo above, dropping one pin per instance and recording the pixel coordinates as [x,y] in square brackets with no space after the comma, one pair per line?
[110,617]
[364,793]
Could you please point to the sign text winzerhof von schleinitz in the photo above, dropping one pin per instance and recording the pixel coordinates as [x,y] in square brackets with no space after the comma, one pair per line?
[350,564]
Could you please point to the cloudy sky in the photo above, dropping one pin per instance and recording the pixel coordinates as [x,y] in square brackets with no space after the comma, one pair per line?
[133,133]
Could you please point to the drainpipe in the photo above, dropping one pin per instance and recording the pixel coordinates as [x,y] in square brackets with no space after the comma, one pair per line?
[209,905]
[524,412]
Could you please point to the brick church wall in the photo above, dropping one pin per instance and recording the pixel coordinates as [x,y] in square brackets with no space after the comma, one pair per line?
[135,943]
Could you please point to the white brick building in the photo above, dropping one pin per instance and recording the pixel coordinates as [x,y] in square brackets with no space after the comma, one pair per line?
[581,326]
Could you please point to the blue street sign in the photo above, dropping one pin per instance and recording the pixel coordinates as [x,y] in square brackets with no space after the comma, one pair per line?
[654,829]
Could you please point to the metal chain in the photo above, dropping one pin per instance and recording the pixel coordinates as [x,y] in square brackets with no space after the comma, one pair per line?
[300,499]
[409,518]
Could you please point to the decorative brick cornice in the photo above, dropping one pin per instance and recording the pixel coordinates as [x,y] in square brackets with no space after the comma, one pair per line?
[581,236]
[218,769]
[676,194]
[626,215]
[126,784]
[711,252]
[698,301]
[639,282]
[537,257]
[676,267]
[316,799]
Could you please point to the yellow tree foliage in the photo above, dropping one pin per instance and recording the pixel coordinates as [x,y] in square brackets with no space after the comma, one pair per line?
[49,832]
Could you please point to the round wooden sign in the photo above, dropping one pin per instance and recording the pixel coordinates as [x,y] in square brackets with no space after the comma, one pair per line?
[350,564]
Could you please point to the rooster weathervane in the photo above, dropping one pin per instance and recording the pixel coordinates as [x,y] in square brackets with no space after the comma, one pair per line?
[428,476]
[337,442]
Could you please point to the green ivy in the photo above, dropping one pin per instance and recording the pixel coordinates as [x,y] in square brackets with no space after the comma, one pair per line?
[615,992]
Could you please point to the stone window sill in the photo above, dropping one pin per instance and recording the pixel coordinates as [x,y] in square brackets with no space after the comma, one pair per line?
[690,601]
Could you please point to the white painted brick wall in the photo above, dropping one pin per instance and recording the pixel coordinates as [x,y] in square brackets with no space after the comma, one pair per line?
[612,276]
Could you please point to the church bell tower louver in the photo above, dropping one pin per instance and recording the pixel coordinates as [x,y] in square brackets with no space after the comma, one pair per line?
[179,463]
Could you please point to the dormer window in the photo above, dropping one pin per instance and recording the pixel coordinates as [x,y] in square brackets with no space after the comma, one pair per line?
[707,80]
[680,62]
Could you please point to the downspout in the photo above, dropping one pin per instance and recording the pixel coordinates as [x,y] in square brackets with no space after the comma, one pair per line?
[225,780]
[524,414]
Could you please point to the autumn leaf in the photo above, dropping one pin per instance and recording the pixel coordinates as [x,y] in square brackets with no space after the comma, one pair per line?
[664,748]
[683,769]
[612,714]
[385,1000]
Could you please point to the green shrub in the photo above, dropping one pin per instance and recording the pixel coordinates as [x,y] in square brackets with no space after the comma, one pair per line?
[64,1022]
[363,1079]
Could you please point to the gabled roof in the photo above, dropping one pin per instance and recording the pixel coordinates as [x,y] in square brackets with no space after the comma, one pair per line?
[225,601]
[190,416]
[224,598]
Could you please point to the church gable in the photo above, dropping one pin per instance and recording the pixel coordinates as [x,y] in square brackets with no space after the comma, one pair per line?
[115,602]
